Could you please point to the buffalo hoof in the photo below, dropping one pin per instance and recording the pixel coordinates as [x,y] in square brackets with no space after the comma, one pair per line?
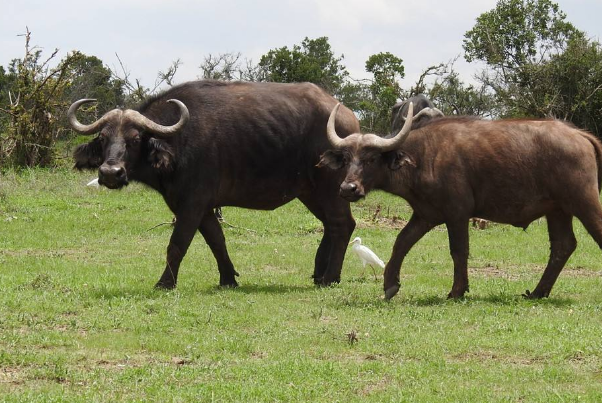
[327,283]
[161,285]
[535,294]
[391,292]
[228,284]
[455,295]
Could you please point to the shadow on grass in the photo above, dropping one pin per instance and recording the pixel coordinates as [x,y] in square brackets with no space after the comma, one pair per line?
[151,292]
[262,289]
[107,293]
[494,299]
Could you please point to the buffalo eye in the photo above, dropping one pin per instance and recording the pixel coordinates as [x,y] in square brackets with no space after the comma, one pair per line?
[333,160]
[133,140]
[370,160]
[103,137]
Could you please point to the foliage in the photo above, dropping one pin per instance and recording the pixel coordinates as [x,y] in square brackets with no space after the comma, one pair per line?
[135,91]
[228,67]
[569,85]
[90,78]
[453,97]
[5,84]
[517,33]
[35,104]
[313,61]
[382,91]
[538,63]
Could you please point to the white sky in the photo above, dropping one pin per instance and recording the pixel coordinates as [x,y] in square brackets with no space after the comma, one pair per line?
[149,34]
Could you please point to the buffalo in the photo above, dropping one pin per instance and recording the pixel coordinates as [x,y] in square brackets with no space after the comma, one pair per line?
[455,168]
[207,144]
[420,102]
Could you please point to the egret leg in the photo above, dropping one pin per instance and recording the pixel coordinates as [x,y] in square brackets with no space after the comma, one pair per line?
[374,272]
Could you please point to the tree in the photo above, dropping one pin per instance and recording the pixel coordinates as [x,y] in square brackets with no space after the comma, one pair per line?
[570,84]
[452,96]
[513,39]
[381,92]
[5,97]
[538,64]
[313,62]
[92,79]
[227,67]
[36,100]
[135,91]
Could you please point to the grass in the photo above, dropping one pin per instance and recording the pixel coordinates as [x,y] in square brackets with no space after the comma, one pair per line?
[80,320]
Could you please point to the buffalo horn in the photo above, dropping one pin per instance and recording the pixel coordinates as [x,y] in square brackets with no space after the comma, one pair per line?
[373,141]
[144,122]
[395,142]
[92,127]
[430,112]
[331,133]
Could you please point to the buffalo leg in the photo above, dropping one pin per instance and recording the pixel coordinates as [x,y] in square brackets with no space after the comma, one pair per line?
[184,230]
[562,245]
[458,247]
[212,231]
[339,224]
[589,212]
[407,238]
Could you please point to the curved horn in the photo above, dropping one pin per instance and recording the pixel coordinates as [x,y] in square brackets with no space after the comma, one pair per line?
[430,112]
[92,127]
[395,142]
[144,122]
[331,133]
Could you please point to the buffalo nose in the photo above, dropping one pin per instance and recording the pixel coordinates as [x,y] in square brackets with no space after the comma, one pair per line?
[112,175]
[112,170]
[351,191]
[348,187]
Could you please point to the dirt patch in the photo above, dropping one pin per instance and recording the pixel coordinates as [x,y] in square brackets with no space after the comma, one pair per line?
[38,253]
[493,272]
[516,272]
[496,357]
[583,272]
[12,375]
[375,387]
[382,222]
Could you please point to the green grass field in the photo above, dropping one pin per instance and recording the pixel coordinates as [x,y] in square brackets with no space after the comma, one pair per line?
[80,320]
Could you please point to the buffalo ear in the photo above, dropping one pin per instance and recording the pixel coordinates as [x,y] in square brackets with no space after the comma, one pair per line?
[331,159]
[89,155]
[398,159]
[161,155]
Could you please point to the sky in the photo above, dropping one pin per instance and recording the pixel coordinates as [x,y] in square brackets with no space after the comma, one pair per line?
[148,35]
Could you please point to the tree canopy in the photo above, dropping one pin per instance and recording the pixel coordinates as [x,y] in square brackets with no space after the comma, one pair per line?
[538,64]
[313,61]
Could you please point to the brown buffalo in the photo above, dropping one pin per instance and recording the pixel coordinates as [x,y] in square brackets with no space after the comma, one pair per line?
[452,169]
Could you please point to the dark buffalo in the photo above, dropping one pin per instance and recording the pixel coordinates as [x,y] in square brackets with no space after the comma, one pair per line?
[451,169]
[420,102]
[207,144]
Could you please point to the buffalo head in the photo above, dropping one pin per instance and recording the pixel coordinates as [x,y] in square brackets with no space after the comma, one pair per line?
[126,141]
[365,155]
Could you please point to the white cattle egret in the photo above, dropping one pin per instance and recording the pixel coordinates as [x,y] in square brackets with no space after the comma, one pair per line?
[93,182]
[366,255]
